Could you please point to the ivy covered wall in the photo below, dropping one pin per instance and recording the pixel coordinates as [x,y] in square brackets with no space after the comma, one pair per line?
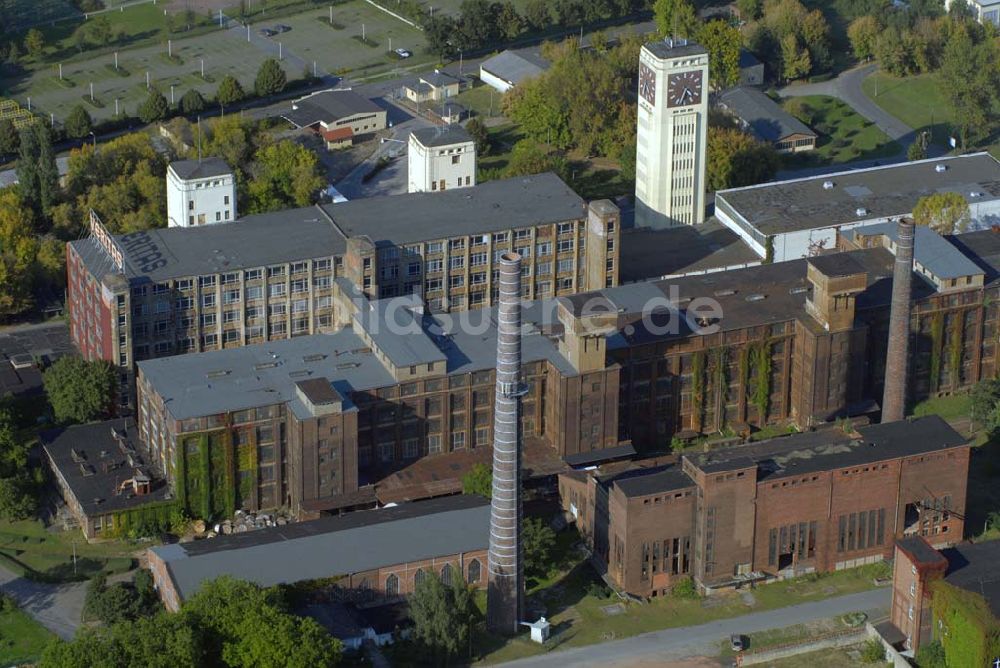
[969,632]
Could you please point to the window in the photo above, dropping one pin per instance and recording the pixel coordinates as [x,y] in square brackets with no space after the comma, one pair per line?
[458,440]
[446,574]
[433,443]
[544,248]
[565,245]
[418,577]
[276,290]
[231,296]
[457,262]
[455,159]
[434,247]
[254,275]
[208,301]
[392,585]
[475,571]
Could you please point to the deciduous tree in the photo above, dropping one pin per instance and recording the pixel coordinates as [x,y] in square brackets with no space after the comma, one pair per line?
[230,91]
[538,540]
[79,390]
[479,480]
[34,43]
[78,122]
[286,174]
[154,108]
[442,615]
[480,135]
[18,248]
[945,213]
[737,159]
[675,18]
[9,139]
[537,14]
[795,61]
[970,80]
[192,102]
[722,41]
[863,33]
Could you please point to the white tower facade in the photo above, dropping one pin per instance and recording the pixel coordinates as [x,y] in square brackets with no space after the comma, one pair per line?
[200,192]
[672,135]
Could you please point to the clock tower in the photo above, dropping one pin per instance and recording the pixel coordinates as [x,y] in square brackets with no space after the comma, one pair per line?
[672,134]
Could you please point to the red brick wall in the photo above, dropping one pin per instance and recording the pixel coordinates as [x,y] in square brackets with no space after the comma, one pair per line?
[90,318]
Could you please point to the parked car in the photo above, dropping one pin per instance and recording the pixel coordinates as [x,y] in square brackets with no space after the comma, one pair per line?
[281,27]
[403,53]
[736,642]
[266,32]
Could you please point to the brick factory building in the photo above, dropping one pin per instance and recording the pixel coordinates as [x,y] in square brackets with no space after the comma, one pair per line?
[268,277]
[337,420]
[811,502]
[376,556]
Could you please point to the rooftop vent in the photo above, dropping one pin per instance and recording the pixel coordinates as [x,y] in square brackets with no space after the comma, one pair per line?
[827,185]
[218,373]
[798,290]
[314,358]
[974,194]
[940,168]
[264,365]
[756,297]
[724,293]
[861,211]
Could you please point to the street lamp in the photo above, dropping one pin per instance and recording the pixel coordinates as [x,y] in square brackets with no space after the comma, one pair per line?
[94,137]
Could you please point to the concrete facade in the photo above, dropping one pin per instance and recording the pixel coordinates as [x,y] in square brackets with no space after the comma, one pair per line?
[440,160]
[200,193]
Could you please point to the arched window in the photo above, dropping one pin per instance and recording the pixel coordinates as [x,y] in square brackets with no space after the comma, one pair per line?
[446,574]
[365,590]
[418,577]
[475,571]
[392,585]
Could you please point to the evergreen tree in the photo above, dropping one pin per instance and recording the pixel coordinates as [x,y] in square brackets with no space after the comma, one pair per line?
[192,102]
[78,123]
[27,168]
[480,135]
[229,91]
[48,172]
[154,108]
[270,79]
[9,139]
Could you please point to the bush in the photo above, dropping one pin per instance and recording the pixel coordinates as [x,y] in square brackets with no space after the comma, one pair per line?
[872,652]
[931,655]
[597,589]
[685,589]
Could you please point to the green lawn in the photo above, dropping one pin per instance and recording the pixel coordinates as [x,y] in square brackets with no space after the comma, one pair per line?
[481,101]
[27,548]
[22,639]
[916,100]
[949,408]
[845,135]
[579,618]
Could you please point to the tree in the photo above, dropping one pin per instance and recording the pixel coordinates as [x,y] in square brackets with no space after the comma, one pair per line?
[480,135]
[34,43]
[736,159]
[286,174]
[795,61]
[984,400]
[918,149]
[18,248]
[440,31]
[529,157]
[79,390]
[442,616]
[38,177]
[970,80]
[931,655]
[537,14]
[192,102]
[18,486]
[863,33]
[722,41]
[78,122]
[675,18]
[112,603]
[9,138]
[814,32]
[154,108]
[872,651]
[230,91]
[750,10]
[945,213]
[270,79]
[478,480]
[538,540]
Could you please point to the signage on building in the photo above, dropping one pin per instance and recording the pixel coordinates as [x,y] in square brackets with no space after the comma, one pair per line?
[107,242]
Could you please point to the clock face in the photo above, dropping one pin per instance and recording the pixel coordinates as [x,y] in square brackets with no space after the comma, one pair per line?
[647,84]
[684,89]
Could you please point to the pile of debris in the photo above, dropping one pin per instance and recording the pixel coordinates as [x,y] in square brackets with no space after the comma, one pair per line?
[248,521]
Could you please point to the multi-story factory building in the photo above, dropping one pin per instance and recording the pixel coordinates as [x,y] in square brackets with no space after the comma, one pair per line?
[269,276]
[610,373]
[810,502]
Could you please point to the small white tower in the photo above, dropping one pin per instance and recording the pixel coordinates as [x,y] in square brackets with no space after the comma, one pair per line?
[200,192]
[672,134]
[441,158]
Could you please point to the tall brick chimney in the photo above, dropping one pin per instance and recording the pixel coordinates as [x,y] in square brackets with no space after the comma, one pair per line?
[505,590]
[897,354]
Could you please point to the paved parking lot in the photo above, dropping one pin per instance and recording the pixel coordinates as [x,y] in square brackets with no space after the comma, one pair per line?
[46,343]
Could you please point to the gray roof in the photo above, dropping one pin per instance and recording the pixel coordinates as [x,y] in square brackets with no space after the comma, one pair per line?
[515,66]
[328,106]
[439,79]
[333,546]
[8,177]
[523,201]
[831,448]
[890,190]
[930,250]
[747,59]
[763,116]
[253,241]
[645,481]
[674,48]
[399,332]
[442,135]
[200,169]
[974,569]
[93,464]
[686,249]
[218,381]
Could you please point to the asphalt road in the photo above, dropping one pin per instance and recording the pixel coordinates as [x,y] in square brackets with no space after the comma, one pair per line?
[56,607]
[659,647]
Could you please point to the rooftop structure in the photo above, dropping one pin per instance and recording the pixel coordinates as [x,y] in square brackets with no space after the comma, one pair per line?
[200,169]
[200,192]
[357,543]
[801,217]
[767,121]
[440,158]
[509,68]
[329,106]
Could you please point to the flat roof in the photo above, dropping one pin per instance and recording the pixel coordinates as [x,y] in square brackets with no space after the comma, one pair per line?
[46,342]
[647,253]
[441,135]
[889,190]
[764,117]
[836,264]
[920,551]
[327,106]
[646,481]
[93,461]
[832,448]
[981,247]
[523,201]
[252,241]
[333,546]
[674,48]
[200,169]
[973,567]
[515,66]
[218,381]
[930,250]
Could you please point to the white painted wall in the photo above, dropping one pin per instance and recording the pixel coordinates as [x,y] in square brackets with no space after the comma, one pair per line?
[200,201]
[494,81]
[428,166]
